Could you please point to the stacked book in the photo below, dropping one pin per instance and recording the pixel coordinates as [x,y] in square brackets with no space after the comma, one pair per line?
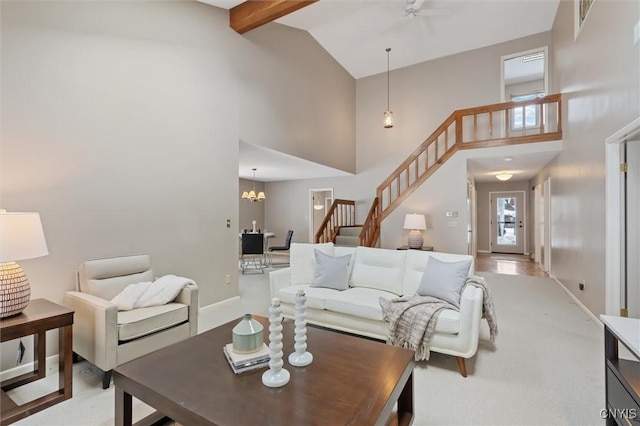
[241,363]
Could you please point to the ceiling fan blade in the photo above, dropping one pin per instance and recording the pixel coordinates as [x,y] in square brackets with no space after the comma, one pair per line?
[417,4]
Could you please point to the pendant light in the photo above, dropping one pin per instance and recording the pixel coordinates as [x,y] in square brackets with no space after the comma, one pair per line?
[388,115]
[251,195]
[317,205]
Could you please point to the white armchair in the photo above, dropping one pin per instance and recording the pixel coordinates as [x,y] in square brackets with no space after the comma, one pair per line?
[107,337]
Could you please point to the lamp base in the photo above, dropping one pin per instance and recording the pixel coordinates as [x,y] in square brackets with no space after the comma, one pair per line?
[15,291]
[415,239]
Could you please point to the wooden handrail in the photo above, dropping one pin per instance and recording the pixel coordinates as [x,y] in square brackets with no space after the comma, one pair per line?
[341,213]
[371,228]
[488,125]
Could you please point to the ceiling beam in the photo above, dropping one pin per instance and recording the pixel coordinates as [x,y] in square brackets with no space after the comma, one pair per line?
[254,13]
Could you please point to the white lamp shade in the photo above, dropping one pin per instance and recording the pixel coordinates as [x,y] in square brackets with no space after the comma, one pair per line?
[21,236]
[415,221]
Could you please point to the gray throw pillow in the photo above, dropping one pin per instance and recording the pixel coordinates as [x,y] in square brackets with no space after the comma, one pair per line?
[331,272]
[444,280]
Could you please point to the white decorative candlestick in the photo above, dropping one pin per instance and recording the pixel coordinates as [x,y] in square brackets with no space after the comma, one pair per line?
[301,357]
[276,376]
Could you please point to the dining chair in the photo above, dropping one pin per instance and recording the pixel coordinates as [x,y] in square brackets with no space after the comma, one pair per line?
[285,247]
[253,253]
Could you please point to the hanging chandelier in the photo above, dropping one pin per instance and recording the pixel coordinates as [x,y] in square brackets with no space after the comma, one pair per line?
[251,195]
[388,115]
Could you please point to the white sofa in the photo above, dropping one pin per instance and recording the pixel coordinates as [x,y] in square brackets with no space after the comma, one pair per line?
[376,273]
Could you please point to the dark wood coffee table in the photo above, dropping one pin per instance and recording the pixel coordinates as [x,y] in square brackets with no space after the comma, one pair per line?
[351,381]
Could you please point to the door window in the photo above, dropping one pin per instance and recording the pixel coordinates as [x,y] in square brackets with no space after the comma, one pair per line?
[506,221]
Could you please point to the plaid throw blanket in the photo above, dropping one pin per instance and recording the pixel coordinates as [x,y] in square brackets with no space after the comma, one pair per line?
[412,320]
[488,309]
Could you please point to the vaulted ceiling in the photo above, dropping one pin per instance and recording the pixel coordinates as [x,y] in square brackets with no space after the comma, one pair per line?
[357,32]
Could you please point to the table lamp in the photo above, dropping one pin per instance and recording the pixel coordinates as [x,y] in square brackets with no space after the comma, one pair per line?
[21,237]
[416,223]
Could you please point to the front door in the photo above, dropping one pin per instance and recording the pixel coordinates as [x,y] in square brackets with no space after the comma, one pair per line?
[507,222]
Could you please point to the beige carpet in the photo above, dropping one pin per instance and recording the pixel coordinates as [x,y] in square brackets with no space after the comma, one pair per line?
[546,367]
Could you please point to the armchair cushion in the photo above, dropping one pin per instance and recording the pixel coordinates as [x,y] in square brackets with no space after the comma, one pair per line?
[143,321]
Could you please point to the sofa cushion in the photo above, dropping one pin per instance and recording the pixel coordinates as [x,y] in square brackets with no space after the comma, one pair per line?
[303,261]
[359,302]
[417,262]
[381,269]
[315,295]
[144,321]
[331,272]
[444,280]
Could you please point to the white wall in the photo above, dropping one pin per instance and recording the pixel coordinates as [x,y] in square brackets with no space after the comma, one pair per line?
[113,114]
[598,76]
[121,123]
[295,98]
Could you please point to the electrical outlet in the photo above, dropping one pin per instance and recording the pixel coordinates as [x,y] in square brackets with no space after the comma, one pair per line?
[228,279]
[228,223]
[581,285]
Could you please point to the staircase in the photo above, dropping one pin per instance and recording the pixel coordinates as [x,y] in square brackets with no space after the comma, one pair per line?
[348,236]
[480,127]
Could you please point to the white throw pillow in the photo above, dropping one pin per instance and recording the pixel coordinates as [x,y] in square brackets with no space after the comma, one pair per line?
[303,261]
[444,280]
[331,272]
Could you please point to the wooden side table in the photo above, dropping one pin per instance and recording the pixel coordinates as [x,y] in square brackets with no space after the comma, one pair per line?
[39,316]
[423,248]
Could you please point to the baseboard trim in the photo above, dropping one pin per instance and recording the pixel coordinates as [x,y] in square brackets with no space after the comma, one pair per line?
[483,251]
[212,316]
[578,303]
[51,366]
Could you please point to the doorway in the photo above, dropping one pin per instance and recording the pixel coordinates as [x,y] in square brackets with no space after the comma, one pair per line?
[507,222]
[472,239]
[622,250]
[320,199]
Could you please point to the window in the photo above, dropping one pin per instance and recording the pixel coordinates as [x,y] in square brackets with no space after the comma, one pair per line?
[531,116]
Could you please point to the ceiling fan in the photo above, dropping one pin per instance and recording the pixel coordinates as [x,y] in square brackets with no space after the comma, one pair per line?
[414,9]
[416,12]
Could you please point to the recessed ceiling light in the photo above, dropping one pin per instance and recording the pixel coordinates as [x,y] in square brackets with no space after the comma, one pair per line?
[509,158]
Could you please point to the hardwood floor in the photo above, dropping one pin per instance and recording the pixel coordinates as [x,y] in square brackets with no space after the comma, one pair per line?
[510,264]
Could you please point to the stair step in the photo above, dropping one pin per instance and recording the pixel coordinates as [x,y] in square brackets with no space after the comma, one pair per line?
[346,241]
[350,231]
